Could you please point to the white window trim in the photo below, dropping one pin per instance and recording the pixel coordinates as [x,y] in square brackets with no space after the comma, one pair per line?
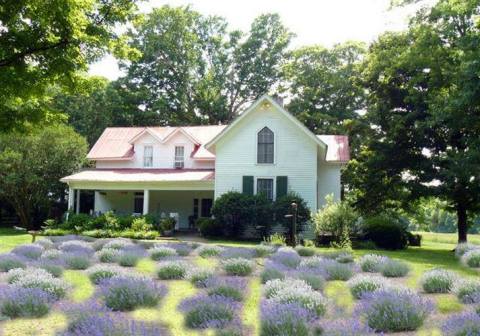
[274,146]
[184,153]
[274,185]
[147,144]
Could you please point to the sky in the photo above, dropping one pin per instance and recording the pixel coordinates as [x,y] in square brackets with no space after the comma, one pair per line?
[323,22]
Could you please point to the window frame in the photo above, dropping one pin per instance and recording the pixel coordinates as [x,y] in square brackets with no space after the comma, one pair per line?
[202,205]
[274,160]
[175,154]
[145,157]
[271,178]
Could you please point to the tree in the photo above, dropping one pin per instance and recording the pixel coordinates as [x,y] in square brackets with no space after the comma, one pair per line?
[423,109]
[31,167]
[47,42]
[192,70]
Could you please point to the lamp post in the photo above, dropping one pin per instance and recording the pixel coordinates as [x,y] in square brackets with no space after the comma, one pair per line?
[293,215]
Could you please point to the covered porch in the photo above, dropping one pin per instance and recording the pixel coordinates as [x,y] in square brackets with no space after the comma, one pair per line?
[182,194]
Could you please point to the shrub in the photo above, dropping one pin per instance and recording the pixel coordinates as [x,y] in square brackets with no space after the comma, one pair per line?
[199,277]
[438,281]
[467,291]
[209,227]
[463,248]
[118,244]
[315,281]
[208,311]
[344,258]
[283,206]
[238,266]
[206,251]
[182,249]
[229,287]
[76,246]
[160,252]
[305,251]
[167,224]
[280,319]
[362,284]
[287,256]
[52,268]
[304,297]
[372,263]
[126,293]
[345,327]
[276,239]
[271,274]
[77,261]
[263,250]
[98,273]
[385,232]
[17,273]
[338,271]
[472,258]
[140,224]
[129,258]
[77,222]
[108,255]
[395,269]
[464,324]
[39,279]
[10,261]
[24,302]
[51,255]
[46,243]
[237,252]
[336,218]
[273,287]
[172,270]
[31,251]
[394,310]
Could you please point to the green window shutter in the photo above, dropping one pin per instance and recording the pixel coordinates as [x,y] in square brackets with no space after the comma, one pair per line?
[247,185]
[282,185]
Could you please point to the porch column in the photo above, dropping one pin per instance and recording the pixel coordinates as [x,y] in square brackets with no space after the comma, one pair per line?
[146,200]
[70,198]
[77,207]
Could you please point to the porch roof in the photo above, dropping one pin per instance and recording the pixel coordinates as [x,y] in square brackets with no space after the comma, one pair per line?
[141,175]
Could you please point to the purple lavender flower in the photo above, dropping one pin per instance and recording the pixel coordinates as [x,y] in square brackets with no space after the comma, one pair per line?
[287,256]
[232,287]
[394,309]
[345,327]
[24,302]
[285,319]
[31,251]
[208,311]
[76,246]
[464,324]
[10,261]
[237,252]
[372,263]
[468,291]
[40,279]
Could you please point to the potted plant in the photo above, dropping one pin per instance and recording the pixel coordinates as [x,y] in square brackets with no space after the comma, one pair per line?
[167,225]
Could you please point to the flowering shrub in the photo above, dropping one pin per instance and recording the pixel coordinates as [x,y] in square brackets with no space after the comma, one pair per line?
[372,263]
[306,298]
[160,252]
[10,261]
[130,255]
[287,257]
[208,311]
[77,246]
[344,258]
[24,302]
[232,287]
[172,270]
[263,250]
[46,243]
[464,324]
[51,267]
[362,284]
[472,258]
[118,243]
[238,252]
[182,249]
[317,282]
[337,271]
[51,255]
[389,310]
[272,287]
[395,269]
[198,277]
[238,266]
[108,255]
[207,251]
[284,319]
[305,251]
[270,273]
[76,261]
[312,263]
[467,291]
[438,281]
[126,293]
[345,327]
[38,278]
[31,251]
[463,248]
[99,273]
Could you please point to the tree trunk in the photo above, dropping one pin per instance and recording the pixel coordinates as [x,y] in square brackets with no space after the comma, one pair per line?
[462,223]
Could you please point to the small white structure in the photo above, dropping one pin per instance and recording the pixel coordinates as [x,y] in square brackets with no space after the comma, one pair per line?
[181,170]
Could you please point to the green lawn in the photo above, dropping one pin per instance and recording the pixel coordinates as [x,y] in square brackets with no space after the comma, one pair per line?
[435,252]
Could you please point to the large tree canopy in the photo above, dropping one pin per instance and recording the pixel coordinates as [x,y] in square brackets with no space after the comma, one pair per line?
[424,90]
[46,42]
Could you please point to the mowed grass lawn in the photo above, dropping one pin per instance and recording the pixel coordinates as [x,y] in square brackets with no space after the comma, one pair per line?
[436,251]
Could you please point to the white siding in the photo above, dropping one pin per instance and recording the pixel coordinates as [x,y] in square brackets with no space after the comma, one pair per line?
[328,182]
[295,155]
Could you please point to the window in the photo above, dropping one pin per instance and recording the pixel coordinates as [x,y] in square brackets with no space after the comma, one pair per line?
[265,186]
[207,207]
[138,203]
[179,156]
[195,208]
[265,146]
[148,156]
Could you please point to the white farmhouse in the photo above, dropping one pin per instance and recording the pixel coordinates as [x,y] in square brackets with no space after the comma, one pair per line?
[179,171]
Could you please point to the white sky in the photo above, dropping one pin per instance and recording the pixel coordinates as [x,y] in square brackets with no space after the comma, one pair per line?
[324,22]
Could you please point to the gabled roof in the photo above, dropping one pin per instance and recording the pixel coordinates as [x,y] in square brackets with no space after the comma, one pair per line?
[265,98]
[181,130]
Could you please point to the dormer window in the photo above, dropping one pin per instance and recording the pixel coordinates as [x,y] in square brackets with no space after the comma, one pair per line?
[148,156]
[265,146]
[179,157]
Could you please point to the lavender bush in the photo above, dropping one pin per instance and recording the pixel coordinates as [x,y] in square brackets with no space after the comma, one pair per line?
[118,243]
[208,311]
[126,293]
[438,281]
[10,261]
[77,260]
[108,255]
[317,282]
[362,284]
[395,269]
[472,258]
[372,263]
[52,267]
[467,291]
[76,246]
[263,250]
[284,319]
[24,302]
[98,273]
[287,257]
[172,270]
[160,252]
[464,324]
[271,273]
[238,266]
[344,258]
[17,273]
[52,255]
[31,251]
[305,251]
[273,287]
[306,298]
[345,327]
[389,310]
[46,243]
[39,279]
[198,277]
[207,251]
[130,255]
[182,249]
[237,252]
[337,271]
[232,287]
[463,248]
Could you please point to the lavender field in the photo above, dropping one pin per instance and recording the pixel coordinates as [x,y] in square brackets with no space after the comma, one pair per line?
[72,286]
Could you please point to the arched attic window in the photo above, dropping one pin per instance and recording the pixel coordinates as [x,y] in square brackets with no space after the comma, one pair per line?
[265,146]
